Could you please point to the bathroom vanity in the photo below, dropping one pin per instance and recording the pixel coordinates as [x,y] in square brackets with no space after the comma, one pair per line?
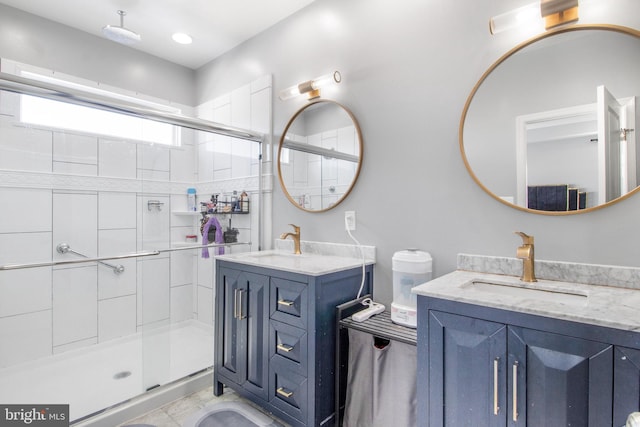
[495,351]
[275,329]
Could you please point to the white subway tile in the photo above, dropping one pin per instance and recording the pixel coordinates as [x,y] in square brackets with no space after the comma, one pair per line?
[261,83]
[116,210]
[75,308]
[25,337]
[183,164]
[181,303]
[117,242]
[183,267]
[154,225]
[25,209]
[117,159]
[241,107]
[116,317]
[71,148]
[205,305]
[153,290]
[23,148]
[75,222]
[153,157]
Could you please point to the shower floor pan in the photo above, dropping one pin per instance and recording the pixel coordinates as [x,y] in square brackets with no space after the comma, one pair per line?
[100,376]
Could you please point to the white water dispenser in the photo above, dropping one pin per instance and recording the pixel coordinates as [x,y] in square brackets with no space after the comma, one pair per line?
[411,268]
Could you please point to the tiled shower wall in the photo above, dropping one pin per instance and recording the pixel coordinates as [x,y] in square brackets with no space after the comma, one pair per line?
[92,193]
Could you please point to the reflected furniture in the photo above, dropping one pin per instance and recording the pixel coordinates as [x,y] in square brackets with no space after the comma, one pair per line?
[553,110]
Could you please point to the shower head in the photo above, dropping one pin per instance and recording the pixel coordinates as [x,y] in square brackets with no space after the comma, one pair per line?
[120,34]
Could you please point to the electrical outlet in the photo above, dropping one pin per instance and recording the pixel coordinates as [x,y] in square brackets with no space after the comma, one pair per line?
[350,220]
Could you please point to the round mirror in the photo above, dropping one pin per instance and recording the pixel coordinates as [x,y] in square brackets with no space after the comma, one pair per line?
[549,128]
[320,155]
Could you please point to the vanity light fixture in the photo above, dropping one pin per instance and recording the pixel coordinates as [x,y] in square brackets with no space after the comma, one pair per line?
[552,13]
[311,87]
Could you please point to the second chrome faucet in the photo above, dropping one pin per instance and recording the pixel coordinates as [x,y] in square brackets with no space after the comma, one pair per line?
[526,254]
[296,238]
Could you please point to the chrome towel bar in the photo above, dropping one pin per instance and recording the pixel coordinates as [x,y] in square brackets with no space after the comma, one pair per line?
[107,258]
[63,248]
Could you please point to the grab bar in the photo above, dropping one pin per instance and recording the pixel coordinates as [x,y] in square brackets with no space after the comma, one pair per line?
[63,248]
[107,258]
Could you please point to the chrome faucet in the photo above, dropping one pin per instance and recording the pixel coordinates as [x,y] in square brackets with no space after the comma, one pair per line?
[296,238]
[525,253]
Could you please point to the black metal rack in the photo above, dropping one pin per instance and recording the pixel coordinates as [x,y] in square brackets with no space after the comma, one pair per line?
[378,325]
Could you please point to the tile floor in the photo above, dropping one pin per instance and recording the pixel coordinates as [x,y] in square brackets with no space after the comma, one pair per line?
[174,414]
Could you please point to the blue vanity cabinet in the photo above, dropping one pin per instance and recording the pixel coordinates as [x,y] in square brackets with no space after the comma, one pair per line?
[242,301]
[626,384]
[558,380]
[467,357]
[276,336]
[479,366]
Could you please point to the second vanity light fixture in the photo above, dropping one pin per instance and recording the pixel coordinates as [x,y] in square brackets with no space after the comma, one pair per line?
[311,87]
[553,12]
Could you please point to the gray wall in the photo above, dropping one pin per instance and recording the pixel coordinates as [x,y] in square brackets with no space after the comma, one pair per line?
[43,43]
[407,71]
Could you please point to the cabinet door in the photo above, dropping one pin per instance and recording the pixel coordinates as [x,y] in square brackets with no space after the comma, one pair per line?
[626,384]
[557,380]
[467,378]
[255,313]
[242,307]
[230,345]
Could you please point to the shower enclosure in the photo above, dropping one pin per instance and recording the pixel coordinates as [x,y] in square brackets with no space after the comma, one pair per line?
[104,294]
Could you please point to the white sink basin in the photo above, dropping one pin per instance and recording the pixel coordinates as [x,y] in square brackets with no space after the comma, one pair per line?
[309,263]
[265,255]
[529,291]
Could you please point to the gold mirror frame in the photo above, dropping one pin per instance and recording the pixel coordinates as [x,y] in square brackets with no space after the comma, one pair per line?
[502,59]
[359,162]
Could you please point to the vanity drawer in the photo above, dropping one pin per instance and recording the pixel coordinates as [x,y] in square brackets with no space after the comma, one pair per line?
[289,302]
[287,390]
[289,342]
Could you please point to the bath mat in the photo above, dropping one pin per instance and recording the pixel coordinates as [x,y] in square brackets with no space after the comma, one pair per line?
[224,414]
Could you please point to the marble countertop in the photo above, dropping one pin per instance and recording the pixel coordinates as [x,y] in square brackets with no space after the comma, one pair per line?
[311,264]
[608,306]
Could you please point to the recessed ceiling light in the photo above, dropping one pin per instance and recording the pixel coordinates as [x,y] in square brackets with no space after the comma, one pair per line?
[182,38]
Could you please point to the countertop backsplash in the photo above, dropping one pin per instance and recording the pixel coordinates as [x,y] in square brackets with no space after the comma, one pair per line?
[591,274]
[327,248]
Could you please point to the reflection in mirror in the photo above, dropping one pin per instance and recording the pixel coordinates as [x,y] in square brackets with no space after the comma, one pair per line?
[320,155]
[548,128]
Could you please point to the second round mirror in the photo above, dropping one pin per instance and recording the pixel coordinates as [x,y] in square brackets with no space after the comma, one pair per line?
[320,155]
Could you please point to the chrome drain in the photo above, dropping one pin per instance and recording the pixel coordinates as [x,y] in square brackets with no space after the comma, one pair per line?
[121,375]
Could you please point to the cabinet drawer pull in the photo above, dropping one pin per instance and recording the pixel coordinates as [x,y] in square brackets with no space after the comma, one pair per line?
[281,391]
[235,303]
[285,348]
[496,408]
[515,391]
[285,303]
